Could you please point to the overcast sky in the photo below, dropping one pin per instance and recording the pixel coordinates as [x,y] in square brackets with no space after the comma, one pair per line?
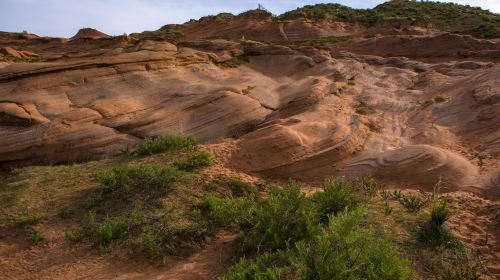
[115,17]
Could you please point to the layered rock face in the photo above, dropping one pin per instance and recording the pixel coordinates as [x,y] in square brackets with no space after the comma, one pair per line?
[355,108]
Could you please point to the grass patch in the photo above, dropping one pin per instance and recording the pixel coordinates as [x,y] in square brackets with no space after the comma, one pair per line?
[30,220]
[156,145]
[195,160]
[322,42]
[132,182]
[36,237]
[236,187]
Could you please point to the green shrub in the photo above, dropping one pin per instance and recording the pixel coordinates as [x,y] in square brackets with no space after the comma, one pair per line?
[336,197]
[370,186]
[388,209]
[284,218]
[269,266]
[152,244]
[30,220]
[166,143]
[76,236]
[111,229]
[435,233]
[195,160]
[412,203]
[36,237]
[345,251]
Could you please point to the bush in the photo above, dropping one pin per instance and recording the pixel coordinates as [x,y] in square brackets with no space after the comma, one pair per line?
[435,233]
[412,203]
[166,143]
[336,197]
[369,186]
[195,160]
[344,251]
[152,244]
[284,218]
[111,229]
[268,266]
[29,220]
[36,237]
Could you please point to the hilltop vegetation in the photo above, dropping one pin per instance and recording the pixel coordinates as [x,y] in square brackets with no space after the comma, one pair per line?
[448,17]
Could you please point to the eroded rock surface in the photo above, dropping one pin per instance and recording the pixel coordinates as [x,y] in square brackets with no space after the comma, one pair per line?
[354,109]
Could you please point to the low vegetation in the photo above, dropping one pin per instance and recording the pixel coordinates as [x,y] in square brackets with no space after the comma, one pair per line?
[364,108]
[449,17]
[165,33]
[155,145]
[167,205]
[323,42]
[318,237]
[195,160]
[434,232]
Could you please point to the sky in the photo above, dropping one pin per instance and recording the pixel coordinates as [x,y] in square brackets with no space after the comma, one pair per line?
[63,18]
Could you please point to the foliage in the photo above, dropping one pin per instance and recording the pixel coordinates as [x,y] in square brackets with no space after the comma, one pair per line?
[236,187]
[226,212]
[336,197]
[333,12]
[146,179]
[111,229]
[195,160]
[165,143]
[165,33]
[434,232]
[268,266]
[412,203]
[318,43]
[345,251]
[36,237]
[449,17]
[30,220]
[284,218]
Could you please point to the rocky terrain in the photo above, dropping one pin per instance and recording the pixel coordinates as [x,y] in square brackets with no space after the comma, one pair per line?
[297,97]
